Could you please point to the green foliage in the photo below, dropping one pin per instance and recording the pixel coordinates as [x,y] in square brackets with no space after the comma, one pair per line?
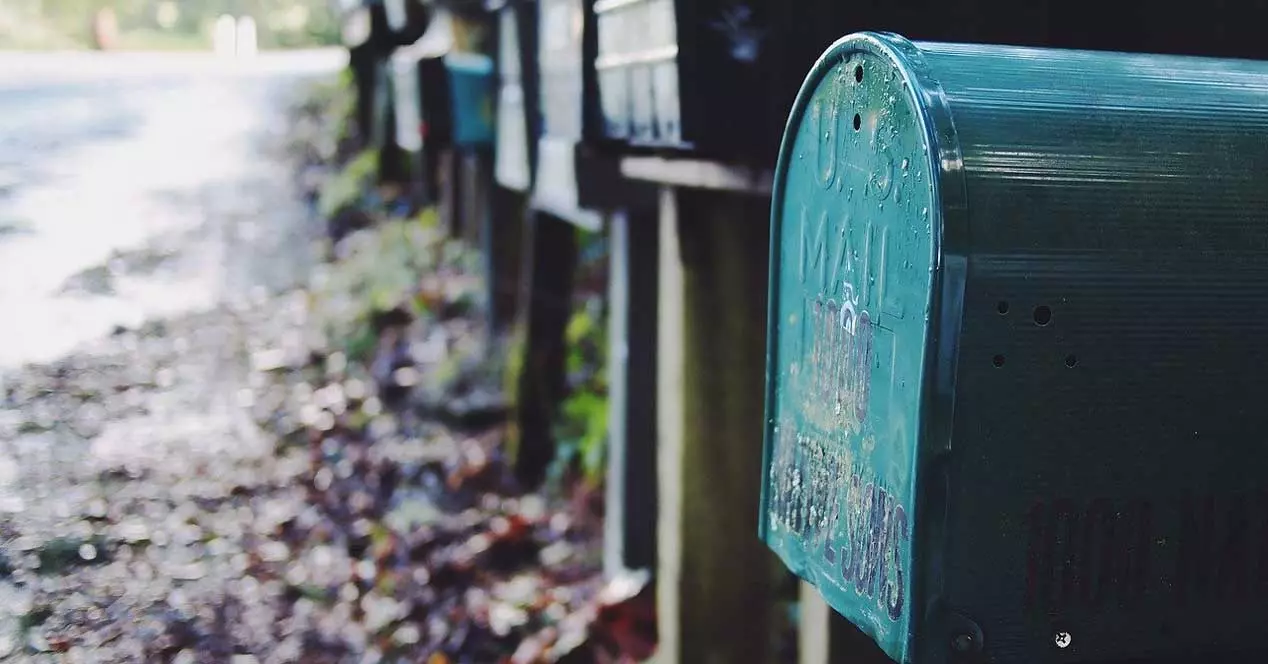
[348,186]
[379,272]
[587,414]
[516,347]
[322,119]
[582,428]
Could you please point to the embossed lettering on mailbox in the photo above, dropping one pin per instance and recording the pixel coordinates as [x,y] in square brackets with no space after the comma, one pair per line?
[854,264]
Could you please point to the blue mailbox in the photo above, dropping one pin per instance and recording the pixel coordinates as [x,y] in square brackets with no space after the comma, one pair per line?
[442,94]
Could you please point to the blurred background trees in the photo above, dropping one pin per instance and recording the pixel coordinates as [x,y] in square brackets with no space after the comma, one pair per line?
[162,24]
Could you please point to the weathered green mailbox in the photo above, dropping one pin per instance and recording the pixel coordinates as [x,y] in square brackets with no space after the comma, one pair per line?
[1018,352]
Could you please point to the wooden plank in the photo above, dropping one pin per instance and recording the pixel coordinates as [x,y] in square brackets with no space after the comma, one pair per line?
[630,518]
[670,426]
[698,174]
[824,637]
[716,585]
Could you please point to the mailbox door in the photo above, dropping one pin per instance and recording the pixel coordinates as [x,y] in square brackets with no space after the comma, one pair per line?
[855,270]
[471,87]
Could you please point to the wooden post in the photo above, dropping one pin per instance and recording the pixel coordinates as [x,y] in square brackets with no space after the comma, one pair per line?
[450,202]
[825,637]
[630,518]
[550,266]
[716,589]
[361,60]
[474,195]
[477,192]
[506,223]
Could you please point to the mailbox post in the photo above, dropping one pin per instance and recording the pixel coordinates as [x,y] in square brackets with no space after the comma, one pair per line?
[1014,365]
[362,28]
[573,185]
[444,98]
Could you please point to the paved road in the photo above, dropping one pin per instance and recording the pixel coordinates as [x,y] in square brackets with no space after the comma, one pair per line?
[155,161]
[136,189]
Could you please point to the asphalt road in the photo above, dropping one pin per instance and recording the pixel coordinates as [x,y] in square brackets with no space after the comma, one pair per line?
[149,223]
[125,181]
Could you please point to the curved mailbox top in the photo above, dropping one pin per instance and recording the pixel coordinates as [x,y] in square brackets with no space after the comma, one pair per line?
[397,14]
[1017,305]
[355,23]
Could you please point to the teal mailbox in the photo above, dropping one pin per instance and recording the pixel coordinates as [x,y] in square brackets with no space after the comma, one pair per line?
[1018,352]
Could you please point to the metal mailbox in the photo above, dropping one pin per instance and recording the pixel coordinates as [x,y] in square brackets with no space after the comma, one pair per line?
[407,20]
[472,90]
[443,95]
[717,77]
[354,22]
[516,110]
[1016,364]
[565,54]
[569,106]
[442,99]
[671,73]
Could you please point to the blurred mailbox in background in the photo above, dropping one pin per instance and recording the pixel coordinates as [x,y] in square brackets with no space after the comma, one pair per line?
[516,126]
[446,95]
[703,76]
[407,19]
[716,78]
[1016,368]
[568,101]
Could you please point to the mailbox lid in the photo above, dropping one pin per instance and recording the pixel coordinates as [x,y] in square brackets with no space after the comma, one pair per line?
[857,265]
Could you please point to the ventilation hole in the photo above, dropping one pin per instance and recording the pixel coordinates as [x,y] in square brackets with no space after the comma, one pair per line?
[1043,315]
[858,73]
[858,122]
[1002,307]
[1071,361]
[998,361]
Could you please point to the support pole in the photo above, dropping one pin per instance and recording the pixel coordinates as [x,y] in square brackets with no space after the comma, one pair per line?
[630,518]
